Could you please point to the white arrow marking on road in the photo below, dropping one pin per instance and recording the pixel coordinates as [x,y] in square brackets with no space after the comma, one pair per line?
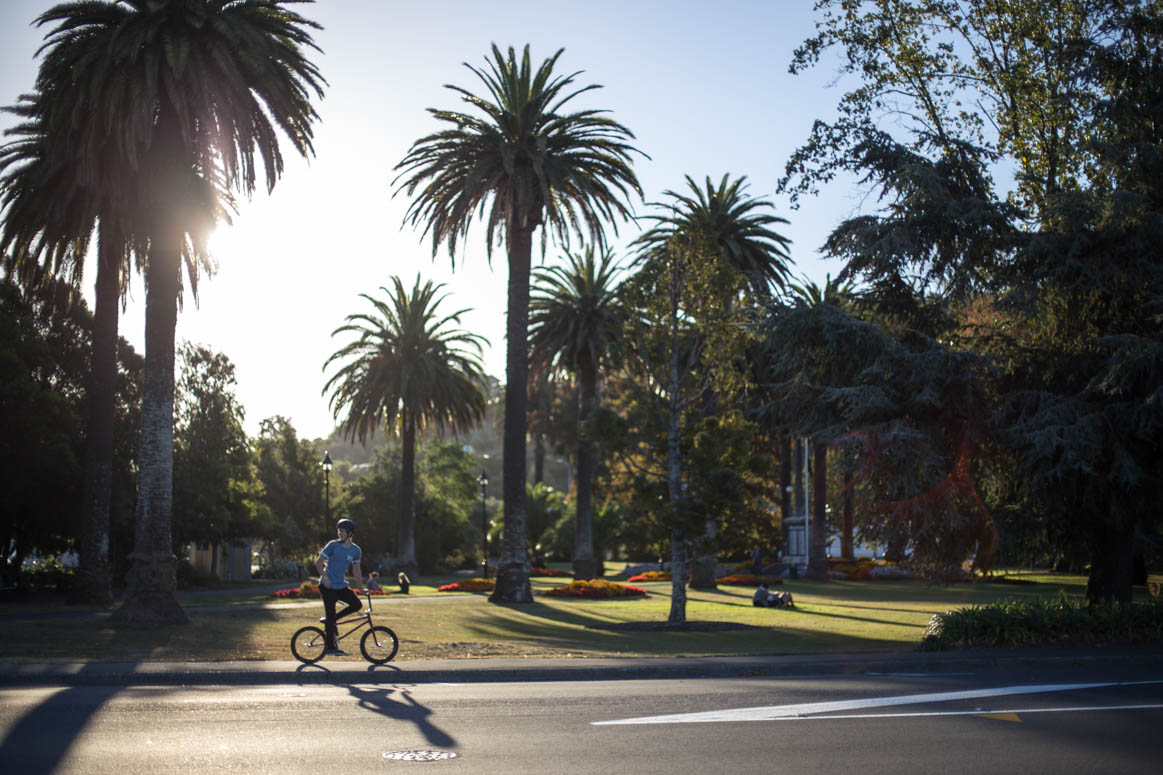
[773,712]
[983,714]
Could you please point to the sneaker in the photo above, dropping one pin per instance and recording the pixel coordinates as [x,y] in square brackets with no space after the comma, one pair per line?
[336,653]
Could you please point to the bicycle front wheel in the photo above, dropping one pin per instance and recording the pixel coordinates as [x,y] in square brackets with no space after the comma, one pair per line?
[379,645]
[308,645]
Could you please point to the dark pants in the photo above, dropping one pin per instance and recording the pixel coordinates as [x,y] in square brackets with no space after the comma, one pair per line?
[330,598]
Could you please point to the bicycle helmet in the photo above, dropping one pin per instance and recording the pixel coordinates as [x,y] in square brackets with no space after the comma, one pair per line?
[346,524]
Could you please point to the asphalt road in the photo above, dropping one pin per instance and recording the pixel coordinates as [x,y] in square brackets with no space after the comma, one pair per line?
[1089,718]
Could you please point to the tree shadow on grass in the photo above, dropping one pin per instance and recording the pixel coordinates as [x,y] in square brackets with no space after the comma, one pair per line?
[869,619]
[39,741]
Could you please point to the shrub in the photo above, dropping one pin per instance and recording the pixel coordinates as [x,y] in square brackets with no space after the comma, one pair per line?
[549,572]
[282,568]
[748,580]
[190,576]
[599,589]
[469,585]
[44,574]
[1044,622]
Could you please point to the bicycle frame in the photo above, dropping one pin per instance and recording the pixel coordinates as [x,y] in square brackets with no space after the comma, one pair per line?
[364,619]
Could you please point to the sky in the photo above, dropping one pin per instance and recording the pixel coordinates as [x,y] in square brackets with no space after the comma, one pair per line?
[704,87]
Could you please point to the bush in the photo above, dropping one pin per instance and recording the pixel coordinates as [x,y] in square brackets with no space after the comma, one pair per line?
[549,572]
[282,568]
[45,574]
[1044,622]
[189,576]
[599,589]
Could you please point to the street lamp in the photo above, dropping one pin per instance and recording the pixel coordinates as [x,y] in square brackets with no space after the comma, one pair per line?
[327,485]
[483,481]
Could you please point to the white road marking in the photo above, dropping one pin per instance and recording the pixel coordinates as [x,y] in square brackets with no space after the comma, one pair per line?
[773,712]
[973,712]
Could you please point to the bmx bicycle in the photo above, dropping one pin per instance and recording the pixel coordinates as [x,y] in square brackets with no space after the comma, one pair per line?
[378,645]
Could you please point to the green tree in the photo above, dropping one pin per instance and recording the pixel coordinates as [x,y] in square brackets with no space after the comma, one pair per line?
[574,316]
[42,367]
[1069,89]
[288,470]
[540,167]
[409,369]
[215,500]
[721,223]
[811,294]
[447,535]
[681,331]
[188,91]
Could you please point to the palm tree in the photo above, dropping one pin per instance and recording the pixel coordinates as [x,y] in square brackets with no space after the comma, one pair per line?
[409,370]
[727,223]
[528,164]
[726,218]
[187,93]
[572,318]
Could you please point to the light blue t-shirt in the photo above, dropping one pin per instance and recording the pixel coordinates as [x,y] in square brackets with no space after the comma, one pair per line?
[339,558]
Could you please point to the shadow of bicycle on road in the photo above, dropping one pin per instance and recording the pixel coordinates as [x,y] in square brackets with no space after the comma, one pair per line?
[401,707]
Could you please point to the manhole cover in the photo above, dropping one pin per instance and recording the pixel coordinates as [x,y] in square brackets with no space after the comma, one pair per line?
[419,756]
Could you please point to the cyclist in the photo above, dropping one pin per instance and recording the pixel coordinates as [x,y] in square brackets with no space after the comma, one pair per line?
[332,565]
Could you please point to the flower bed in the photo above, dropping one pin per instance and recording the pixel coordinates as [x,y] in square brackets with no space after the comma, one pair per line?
[548,572]
[469,585]
[748,580]
[599,589]
[650,575]
[307,589]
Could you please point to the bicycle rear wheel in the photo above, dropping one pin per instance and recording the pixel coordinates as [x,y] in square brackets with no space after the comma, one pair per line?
[379,645]
[308,645]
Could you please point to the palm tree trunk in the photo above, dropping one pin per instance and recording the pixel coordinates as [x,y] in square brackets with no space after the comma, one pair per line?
[94,582]
[512,583]
[818,542]
[152,578]
[406,553]
[585,566]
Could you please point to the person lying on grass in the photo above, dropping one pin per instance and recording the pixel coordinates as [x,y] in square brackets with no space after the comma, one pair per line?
[765,599]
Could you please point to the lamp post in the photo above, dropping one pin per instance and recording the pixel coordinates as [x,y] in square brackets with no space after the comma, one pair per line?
[483,481]
[327,486]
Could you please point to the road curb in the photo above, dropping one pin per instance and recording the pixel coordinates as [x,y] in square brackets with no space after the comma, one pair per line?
[346,672]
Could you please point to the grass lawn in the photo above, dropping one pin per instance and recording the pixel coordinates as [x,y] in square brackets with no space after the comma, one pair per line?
[245,622]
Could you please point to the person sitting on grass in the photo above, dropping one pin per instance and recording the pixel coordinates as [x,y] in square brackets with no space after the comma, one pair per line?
[404,582]
[373,583]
